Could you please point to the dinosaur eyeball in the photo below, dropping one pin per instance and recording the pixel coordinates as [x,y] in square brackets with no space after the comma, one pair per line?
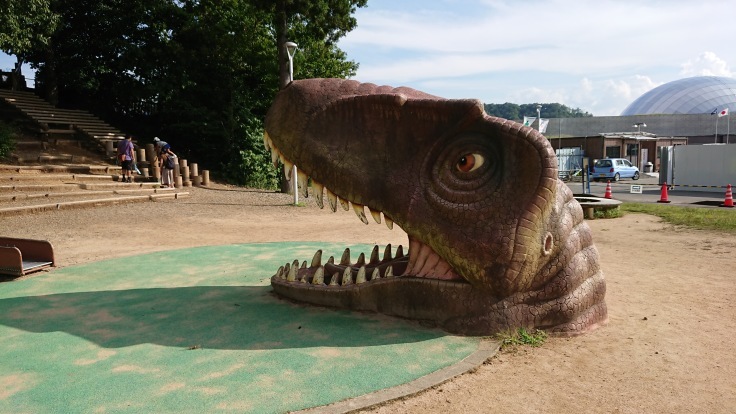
[470,162]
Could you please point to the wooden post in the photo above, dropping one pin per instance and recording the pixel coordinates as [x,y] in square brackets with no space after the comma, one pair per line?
[193,169]
[205,177]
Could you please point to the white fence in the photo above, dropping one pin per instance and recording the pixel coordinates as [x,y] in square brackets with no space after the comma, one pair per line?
[698,167]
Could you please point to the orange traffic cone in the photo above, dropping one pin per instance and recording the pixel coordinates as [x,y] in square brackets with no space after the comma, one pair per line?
[663,197]
[729,197]
[608,190]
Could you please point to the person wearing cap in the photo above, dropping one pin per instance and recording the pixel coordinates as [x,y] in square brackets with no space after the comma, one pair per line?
[126,155]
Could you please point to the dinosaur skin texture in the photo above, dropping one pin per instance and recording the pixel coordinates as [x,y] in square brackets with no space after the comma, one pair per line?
[496,240]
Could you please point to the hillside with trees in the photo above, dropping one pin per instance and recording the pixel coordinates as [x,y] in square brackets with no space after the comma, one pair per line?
[200,74]
[516,112]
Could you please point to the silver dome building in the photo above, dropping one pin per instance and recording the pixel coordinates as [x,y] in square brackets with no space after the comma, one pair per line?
[696,95]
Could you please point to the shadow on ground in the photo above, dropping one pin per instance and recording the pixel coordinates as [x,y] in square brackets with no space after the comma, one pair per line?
[213,317]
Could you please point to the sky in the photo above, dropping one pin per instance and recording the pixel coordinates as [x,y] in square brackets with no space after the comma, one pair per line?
[598,56]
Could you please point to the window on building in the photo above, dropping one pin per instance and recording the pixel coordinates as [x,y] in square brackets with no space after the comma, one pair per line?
[632,149]
[613,152]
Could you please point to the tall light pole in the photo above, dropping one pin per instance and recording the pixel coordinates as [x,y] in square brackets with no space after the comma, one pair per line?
[639,162]
[639,125]
[539,117]
[290,50]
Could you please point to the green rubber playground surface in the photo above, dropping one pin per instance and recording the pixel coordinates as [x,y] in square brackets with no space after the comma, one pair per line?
[198,330]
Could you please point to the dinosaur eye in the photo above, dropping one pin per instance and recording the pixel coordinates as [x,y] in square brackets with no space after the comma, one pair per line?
[470,162]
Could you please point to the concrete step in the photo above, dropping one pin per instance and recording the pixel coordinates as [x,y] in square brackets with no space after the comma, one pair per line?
[17,199]
[39,208]
[72,169]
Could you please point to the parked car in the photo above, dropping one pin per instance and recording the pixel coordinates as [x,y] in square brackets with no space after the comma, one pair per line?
[614,169]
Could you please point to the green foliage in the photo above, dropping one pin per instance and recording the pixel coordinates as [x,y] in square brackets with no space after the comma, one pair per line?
[609,213]
[196,73]
[699,218]
[7,140]
[517,112]
[522,337]
[25,25]
[253,167]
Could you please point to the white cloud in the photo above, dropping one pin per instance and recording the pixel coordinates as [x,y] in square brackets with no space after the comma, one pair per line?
[707,64]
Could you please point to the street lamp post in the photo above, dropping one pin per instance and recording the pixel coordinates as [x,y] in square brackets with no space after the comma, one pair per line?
[290,50]
[539,117]
[639,162]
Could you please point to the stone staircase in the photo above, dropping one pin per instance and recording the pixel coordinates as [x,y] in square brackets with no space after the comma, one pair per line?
[58,125]
[39,188]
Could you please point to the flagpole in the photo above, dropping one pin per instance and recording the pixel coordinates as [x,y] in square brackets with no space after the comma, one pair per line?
[728,125]
[715,139]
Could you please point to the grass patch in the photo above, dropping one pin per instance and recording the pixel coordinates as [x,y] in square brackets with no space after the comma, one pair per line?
[608,213]
[521,337]
[698,218]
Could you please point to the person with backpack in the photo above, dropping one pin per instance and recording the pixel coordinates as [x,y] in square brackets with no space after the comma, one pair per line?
[167,160]
[126,156]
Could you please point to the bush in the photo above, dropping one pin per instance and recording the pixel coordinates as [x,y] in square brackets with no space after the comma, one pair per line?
[7,139]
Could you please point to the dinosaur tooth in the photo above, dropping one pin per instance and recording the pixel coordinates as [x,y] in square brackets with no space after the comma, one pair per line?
[295,264]
[319,276]
[275,157]
[389,222]
[333,279]
[267,141]
[301,179]
[317,188]
[389,271]
[361,260]
[291,277]
[360,212]
[374,255]
[345,260]
[360,278]
[344,203]
[280,273]
[376,216]
[332,199]
[287,168]
[399,252]
[387,253]
[304,265]
[347,276]
[331,260]
[317,259]
[376,274]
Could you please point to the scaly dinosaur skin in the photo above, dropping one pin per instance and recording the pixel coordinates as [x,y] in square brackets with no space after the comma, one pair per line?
[496,241]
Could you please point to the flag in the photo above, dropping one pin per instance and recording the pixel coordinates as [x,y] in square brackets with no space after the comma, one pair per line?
[529,120]
[723,113]
[715,111]
[543,125]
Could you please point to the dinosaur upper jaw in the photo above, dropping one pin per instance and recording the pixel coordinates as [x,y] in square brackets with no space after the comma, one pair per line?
[420,261]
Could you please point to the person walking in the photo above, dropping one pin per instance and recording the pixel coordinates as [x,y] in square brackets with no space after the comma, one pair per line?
[126,156]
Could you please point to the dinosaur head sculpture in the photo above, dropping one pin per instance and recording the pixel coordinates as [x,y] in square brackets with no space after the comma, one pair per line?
[496,241]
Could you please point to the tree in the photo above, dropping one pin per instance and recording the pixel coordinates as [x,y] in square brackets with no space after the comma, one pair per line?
[200,74]
[517,112]
[25,26]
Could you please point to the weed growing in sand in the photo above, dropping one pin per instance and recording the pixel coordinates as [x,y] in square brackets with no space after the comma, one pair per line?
[521,337]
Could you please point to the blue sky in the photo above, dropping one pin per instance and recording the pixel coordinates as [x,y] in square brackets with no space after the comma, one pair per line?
[594,55]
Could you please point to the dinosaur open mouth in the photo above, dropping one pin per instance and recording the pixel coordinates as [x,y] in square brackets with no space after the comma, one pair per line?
[420,261]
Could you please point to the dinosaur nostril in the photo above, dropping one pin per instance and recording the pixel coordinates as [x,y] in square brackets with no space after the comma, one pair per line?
[548,241]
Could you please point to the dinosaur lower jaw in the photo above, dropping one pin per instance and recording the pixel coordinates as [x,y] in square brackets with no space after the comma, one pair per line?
[420,262]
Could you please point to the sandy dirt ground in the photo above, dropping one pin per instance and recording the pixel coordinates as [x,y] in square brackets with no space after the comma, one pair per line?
[668,346]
